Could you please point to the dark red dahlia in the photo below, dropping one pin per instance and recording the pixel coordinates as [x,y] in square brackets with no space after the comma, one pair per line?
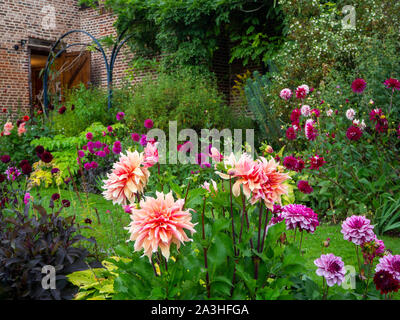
[46,157]
[62,110]
[55,196]
[39,150]
[354,133]
[2,178]
[375,115]
[382,125]
[290,133]
[88,221]
[26,169]
[392,83]
[359,85]
[18,122]
[304,187]
[292,163]
[385,282]
[66,203]
[5,158]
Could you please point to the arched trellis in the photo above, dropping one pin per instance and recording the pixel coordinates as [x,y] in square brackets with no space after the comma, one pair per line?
[109,64]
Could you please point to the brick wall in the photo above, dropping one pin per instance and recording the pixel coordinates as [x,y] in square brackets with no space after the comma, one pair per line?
[21,20]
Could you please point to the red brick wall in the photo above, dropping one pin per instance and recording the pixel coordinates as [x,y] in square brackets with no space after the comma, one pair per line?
[21,20]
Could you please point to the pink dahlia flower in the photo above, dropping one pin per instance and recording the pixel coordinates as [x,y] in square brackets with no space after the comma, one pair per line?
[305,110]
[301,217]
[316,162]
[150,155]
[331,268]
[127,178]
[295,115]
[350,113]
[158,223]
[21,129]
[392,83]
[272,185]
[359,85]
[358,230]
[286,94]
[277,218]
[372,249]
[215,155]
[301,93]
[310,131]
[290,133]
[391,264]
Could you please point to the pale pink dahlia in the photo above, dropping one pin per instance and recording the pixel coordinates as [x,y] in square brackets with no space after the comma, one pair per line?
[127,178]
[286,94]
[391,264]
[158,223]
[331,268]
[350,113]
[272,183]
[300,216]
[358,230]
[305,110]
[150,155]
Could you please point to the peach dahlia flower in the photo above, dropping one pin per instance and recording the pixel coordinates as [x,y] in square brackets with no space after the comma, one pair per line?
[158,223]
[150,155]
[272,185]
[127,178]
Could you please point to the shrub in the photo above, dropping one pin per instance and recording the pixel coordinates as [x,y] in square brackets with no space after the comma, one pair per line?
[30,243]
[190,99]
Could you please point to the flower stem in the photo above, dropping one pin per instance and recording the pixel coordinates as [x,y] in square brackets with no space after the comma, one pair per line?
[301,240]
[233,223]
[205,250]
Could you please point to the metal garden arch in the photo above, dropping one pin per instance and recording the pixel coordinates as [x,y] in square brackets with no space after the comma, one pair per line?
[109,64]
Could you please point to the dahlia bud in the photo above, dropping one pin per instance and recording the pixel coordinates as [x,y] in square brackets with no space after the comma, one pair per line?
[326,243]
[269,149]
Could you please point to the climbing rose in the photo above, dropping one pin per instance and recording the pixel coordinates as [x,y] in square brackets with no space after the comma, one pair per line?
[304,187]
[392,83]
[391,264]
[359,85]
[128,177]
[159,222]
[354,133]
[301,217]
[286,94]
[357,229]
[331,268]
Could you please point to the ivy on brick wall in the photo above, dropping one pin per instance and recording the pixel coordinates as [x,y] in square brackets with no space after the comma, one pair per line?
[187,32]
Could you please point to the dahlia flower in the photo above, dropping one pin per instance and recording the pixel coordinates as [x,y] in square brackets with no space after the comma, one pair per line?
[206,185]
[329,112]
[120,116]
[246,171]
[127,178]
[362,125]
[375,115]
[148,123]
[350,113]
[158,223]
[21,129]
[135,137]
[286,94]
[301,93]
[358,230]
[143,140]
[305,110]
[392,83]
[150,155]
[304,187]
[316,112]
[301,217]
[292,163]
[12,173]
[331,268]
[215,155]
[290,133]
[310,131]
[359,85]
[354,133]
[316,162]
[277,218]
[89,136]
[385,282]
[295,115]
[391,264]
[305,87]
[272,184]
[372,249]
[382,125]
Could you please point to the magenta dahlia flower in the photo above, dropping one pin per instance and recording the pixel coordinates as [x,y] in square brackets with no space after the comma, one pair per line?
[391,264]
[120,116]
[148,123]
[304,187]
[301,93]
[310,131]
[372,249]
[375,115]
[358,230]
[290,133]
[135,137]
[331,268]
[301,217]
[89,136]
[385,282]
[354,133]
[392,83]
[292,163]
[295,115]
[316,162]
[359,85]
